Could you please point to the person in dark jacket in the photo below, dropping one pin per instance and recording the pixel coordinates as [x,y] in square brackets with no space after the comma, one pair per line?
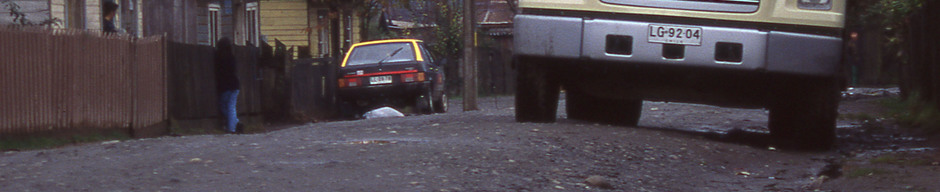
[227,84]
[109,10]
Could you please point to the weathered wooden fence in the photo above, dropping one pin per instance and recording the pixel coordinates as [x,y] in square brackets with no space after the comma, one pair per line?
[192,81]
[311,91]
[296,90]
[71,80]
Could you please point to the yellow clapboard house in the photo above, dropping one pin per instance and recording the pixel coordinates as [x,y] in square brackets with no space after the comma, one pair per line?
[317,28]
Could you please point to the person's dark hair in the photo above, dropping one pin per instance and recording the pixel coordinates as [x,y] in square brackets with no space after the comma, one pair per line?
[109,7]
[224,46]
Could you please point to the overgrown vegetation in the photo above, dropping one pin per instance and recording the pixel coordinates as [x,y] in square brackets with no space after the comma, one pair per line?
[899,159]
[865,171]
[891,16]
[857,116]
[898,25]
[914,113]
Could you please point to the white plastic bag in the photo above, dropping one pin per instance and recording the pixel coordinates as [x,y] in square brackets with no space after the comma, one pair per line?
[383,112]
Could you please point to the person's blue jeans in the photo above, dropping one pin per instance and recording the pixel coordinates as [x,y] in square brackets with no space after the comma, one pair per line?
[227,100]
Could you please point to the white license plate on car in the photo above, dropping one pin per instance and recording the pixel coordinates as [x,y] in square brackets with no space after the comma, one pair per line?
[380,80]
[675,34]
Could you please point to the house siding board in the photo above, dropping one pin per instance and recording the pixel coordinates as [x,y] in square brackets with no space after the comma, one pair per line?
[57,8]
[156,22]
[175,18]
[192,10]
[226,19]
[239,28]
[93,14]
[356,28]
[285,21]
[202,24]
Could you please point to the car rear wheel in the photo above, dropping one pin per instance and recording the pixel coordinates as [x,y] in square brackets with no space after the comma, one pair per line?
[440,106]
[581,106]
[424,103]
[536,92]
[804,117]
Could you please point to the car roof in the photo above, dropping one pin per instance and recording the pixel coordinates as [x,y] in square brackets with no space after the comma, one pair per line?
[387,41]
[414,42]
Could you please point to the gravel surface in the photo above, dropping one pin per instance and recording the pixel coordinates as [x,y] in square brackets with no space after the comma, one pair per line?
[677,147]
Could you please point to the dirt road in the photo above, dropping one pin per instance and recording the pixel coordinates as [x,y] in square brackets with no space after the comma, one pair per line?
[678,147]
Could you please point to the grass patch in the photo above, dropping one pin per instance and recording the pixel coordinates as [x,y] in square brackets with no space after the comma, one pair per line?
[914,113]
[899,159]
[857,116]
[885,159]
[46,142]
[864,172]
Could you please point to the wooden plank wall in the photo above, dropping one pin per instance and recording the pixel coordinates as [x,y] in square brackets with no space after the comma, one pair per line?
[175,18]
[285,20]
[73,79]
[192,86]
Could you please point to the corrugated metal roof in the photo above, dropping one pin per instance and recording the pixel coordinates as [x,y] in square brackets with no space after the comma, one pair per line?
[493,12]
[488,12]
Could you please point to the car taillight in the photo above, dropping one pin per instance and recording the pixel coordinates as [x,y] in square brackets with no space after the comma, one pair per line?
[349,82]
[412,77]
[408,77]
[354,82]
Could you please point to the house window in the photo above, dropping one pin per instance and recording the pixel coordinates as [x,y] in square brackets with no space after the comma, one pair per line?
[251,23]
[323,33]
[347,30]
[215,29]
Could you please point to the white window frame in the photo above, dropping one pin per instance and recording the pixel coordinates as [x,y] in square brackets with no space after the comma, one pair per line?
[215,27]
[347,30]
[323,34]
[252,23]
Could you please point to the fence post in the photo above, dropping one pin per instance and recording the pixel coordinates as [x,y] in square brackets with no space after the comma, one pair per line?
[134,85]
[165,74]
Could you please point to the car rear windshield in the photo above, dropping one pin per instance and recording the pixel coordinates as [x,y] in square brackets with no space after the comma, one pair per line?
[385,53]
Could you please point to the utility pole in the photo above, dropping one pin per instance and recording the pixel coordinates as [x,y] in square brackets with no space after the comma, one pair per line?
[469,57]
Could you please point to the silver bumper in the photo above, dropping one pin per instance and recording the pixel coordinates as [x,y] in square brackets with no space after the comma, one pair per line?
[771,51]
